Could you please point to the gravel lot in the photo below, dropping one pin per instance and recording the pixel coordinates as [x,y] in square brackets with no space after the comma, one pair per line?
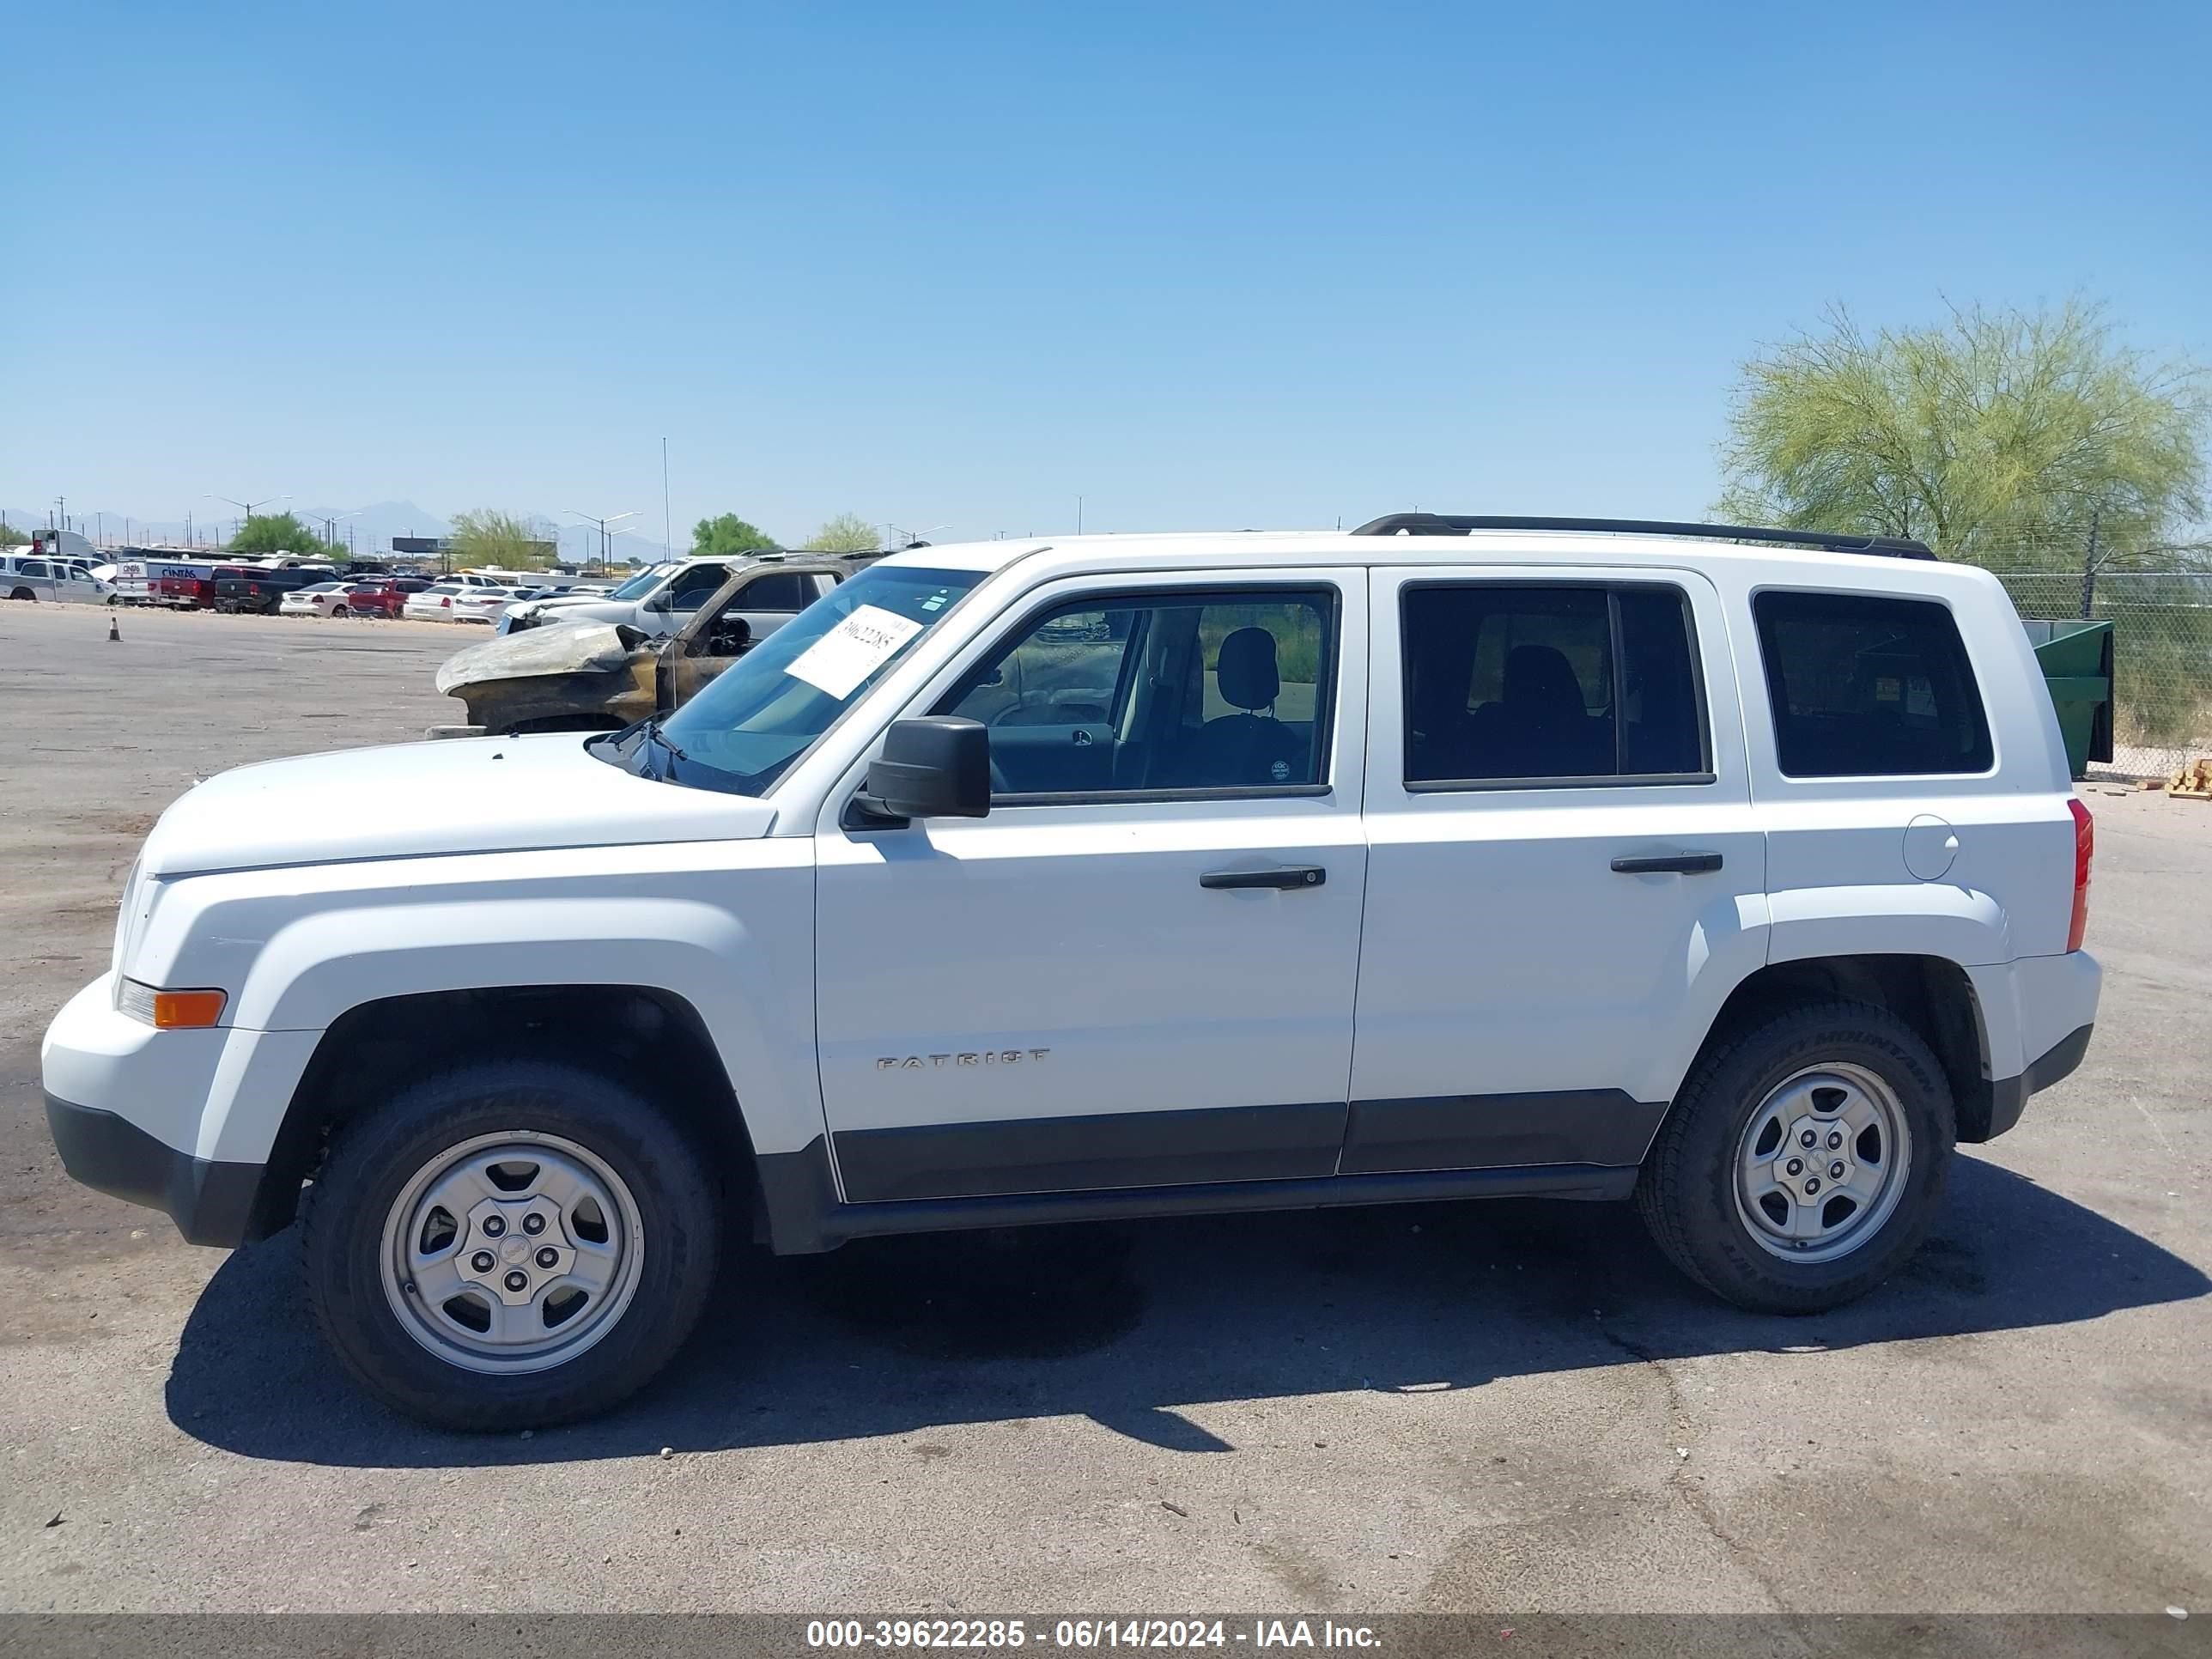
[1503,1407]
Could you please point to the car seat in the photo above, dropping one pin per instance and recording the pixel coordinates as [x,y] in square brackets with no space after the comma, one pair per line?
[1539,727]
[1251,747]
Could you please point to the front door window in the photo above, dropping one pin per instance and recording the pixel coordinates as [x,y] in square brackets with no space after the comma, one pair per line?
[1159,693]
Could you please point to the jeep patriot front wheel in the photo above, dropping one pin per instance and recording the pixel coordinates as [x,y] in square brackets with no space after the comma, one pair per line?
[509,1245]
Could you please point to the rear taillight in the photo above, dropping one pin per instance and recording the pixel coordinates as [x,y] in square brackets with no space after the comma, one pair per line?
[2085,848]
[446,602]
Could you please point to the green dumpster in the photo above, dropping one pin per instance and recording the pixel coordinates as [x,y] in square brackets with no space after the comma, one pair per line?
[2076,659]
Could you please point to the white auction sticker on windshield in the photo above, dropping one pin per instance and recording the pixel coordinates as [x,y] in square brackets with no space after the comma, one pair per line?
[853,650]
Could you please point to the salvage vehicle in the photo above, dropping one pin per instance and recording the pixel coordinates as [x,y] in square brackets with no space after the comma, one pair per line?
[658,601]
[601,677]
[1736,871]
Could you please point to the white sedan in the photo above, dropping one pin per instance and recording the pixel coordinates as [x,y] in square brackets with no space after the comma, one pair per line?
[434,604]
[322,599]
[483,605]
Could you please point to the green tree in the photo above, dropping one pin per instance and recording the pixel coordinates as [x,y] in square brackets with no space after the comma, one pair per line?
[484,535]
[847,532]
[281,532]
[2001,438]
[728,535]
[11,537]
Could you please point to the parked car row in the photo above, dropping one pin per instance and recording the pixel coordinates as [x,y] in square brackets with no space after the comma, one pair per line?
[370,597]
[475,599]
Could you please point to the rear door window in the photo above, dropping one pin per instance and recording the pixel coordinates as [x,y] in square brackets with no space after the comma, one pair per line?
[1864,686]
[784,591]
[1510,682]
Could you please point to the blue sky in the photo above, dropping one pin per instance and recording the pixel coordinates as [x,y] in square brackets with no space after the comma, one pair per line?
[1203,265]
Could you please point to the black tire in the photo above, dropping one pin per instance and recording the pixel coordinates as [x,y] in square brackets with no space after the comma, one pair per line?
[24,593]
[340,610]
[371,1160]
[1687,1191]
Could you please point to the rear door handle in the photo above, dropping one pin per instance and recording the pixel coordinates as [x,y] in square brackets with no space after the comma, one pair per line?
[1666,864]
[1290,878]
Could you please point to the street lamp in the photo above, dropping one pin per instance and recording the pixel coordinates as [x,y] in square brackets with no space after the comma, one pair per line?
[910,537]
[247,506]
[602,522]
[331,527]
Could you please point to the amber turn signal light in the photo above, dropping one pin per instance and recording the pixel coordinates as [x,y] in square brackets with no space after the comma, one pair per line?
[171,1011]
[175,1009]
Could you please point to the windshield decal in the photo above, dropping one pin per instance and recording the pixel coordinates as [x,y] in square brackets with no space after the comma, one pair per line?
[838,661]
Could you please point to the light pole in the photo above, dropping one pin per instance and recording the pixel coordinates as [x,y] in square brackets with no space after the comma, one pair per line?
[603,521]
[908,537]
[614,536]
[330,528]
[247,506]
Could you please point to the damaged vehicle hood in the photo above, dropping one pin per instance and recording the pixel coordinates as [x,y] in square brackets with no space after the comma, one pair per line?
[587,648]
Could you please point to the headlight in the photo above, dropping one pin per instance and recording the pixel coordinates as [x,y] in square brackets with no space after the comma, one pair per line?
[171,1010]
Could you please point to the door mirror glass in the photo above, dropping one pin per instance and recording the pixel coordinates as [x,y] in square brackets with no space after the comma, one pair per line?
[936,766]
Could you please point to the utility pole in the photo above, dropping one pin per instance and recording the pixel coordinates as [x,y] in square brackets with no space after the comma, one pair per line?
[1078,515]
[667,522]
[2089,565]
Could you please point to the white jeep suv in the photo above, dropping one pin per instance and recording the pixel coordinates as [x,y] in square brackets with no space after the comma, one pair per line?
[1736,871]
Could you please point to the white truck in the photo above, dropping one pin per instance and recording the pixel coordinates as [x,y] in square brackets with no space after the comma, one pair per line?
[1735,872]
[659,600]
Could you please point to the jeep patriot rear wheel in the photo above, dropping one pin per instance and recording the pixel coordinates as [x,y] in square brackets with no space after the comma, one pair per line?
[1803,1161]
[509,1245]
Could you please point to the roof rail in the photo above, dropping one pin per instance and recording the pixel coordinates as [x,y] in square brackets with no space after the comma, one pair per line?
[1461,524]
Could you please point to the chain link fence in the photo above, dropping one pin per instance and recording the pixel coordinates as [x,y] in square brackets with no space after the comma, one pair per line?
[2161,656]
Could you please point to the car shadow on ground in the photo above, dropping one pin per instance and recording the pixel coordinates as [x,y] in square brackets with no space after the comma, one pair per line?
[1127,1324]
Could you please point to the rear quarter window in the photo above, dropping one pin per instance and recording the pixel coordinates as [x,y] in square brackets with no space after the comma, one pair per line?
[1864,686]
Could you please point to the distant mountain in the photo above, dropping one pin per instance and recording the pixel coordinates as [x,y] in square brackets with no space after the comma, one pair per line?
[369,529]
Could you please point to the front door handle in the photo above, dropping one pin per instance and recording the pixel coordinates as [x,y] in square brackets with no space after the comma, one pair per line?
[1669,864]
[1289,878]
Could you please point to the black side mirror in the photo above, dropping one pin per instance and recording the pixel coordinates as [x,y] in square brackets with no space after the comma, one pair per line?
[935,766]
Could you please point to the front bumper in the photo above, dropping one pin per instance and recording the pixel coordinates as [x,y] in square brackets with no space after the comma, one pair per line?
[181,1120]
[211,1203]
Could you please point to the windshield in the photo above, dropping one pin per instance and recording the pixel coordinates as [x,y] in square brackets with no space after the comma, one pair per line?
[645,581]
[766,709]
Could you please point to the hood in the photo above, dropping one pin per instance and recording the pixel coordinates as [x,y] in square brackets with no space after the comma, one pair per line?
[560,604]
[527,614]
[587,648]
[420,799]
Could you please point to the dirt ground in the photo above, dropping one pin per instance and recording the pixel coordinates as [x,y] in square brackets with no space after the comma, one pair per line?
[1506,1407]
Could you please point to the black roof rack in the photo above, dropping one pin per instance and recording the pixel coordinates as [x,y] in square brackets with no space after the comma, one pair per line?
[1460,524]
